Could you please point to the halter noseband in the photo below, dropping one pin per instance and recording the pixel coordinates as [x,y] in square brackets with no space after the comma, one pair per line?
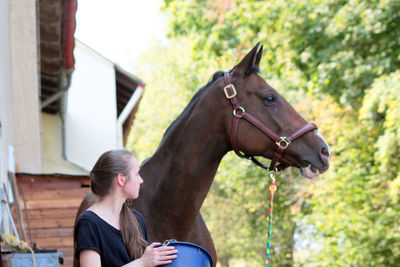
[239,112]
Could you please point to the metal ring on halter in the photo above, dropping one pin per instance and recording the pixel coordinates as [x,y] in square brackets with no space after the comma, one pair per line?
[240,114]
[272,176]
[284,143]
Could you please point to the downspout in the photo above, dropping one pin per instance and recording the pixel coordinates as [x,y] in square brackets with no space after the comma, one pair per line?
[126,112]
[64,83]
[63,108]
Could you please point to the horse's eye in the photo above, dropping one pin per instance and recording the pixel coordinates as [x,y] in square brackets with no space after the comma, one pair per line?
[269,98]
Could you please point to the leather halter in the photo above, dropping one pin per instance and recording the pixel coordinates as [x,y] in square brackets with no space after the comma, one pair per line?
[239,112]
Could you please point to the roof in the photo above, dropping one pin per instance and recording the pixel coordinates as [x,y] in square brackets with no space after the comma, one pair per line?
[57,28]
[127,84]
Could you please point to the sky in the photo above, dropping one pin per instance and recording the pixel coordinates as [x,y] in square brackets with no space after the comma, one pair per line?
[120,30]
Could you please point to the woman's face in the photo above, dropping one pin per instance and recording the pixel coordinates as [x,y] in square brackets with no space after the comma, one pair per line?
[132,185]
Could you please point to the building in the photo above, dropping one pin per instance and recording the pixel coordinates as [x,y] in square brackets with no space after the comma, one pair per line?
[96,115]
[61,105]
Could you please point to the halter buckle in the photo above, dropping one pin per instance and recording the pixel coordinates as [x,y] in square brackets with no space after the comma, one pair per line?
[230,91]
[284,143]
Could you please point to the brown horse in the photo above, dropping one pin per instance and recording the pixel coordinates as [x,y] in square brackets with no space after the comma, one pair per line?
[179,174]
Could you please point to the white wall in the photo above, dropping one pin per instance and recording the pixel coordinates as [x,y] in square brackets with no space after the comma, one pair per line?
[20,142]
[5,103]
[25,86]
[5,88]
[91,115]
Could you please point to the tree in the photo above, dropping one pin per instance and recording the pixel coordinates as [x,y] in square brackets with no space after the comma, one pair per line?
[355,207]
[333,47]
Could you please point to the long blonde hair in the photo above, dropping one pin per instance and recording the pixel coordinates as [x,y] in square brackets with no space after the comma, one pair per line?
[107,167]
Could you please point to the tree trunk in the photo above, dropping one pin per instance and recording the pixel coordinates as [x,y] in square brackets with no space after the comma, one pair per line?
[224,262]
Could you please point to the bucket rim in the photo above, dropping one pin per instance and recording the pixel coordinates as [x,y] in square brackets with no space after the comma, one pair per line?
[173,241]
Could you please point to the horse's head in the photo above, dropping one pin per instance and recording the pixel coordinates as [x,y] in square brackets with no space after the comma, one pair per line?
[307,151]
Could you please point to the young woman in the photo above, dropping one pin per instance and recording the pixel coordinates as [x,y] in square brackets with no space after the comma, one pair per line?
[108,233]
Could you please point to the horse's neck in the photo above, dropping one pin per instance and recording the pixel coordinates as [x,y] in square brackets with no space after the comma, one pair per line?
[182,169]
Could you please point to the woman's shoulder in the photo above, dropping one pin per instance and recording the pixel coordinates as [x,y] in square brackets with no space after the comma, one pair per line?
[88,216]
[87,223]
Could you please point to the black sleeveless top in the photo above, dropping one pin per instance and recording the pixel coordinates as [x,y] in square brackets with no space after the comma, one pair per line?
[93,233]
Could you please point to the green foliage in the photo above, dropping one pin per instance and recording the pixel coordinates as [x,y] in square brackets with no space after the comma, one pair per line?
[334,47]
[381,113]
[170,82]
[355,208]
[236,212]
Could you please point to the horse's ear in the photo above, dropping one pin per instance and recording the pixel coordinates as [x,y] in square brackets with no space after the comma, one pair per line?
[259,55]
[251,60]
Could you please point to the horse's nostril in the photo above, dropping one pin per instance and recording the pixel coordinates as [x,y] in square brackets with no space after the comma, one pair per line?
[325,153]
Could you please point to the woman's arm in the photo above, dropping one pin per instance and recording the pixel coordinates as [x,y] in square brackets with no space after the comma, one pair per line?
[89,258]
[154,256]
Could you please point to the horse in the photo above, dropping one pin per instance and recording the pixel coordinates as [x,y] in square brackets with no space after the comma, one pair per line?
[178,176]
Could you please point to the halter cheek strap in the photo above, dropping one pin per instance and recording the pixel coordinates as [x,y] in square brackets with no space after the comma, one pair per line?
[239,112]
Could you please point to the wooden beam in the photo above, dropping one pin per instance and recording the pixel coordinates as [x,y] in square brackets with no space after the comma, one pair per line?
[52,223]
[53,242]
[53,232]
[54,203]
[48,195]
[54,213]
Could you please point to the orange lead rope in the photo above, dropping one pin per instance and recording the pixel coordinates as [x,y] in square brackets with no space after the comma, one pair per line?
[272,189]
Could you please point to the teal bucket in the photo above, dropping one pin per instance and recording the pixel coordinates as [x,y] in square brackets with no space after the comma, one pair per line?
[189,255]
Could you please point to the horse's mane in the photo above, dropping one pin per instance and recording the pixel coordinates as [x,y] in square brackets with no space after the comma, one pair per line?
[216,76]
[199,93]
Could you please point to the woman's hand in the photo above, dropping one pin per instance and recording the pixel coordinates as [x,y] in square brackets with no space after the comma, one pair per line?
[155,255]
